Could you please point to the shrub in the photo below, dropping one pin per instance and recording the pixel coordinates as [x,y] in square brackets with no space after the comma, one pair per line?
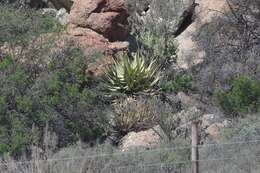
[173,123]
[155,46]
[180,83]
[20,25]
[67,89]
[153,23]
[141,113]
[246,128]
[43,83]
[59,94]
[133,114]
[132,75]
[13,133]
[244,97]
[228,59]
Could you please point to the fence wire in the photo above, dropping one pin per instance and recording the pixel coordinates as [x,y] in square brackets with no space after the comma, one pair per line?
[235,157]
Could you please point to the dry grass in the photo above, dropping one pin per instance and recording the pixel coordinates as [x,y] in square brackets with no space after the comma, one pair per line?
[232,158]
[134,114]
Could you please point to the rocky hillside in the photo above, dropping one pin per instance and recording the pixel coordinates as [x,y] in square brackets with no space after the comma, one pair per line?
[100,76]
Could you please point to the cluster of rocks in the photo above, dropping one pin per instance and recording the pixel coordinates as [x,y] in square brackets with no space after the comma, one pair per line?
[106,17]
[146,139]
[100,25]
[210,130]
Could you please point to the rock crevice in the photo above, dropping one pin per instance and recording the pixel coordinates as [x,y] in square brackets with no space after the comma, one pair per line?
[190,54]
[187,19]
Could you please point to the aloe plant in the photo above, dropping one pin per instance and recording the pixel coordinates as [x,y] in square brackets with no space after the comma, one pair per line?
[132,75]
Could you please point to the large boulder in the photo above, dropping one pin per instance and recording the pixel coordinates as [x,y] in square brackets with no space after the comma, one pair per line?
[220,44]
[100,25]
[190,54]
[108,18]
[144,139]
[215,129]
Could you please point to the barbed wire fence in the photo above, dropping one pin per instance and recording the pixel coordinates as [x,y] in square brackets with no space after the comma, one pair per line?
[241,156]
[237,157]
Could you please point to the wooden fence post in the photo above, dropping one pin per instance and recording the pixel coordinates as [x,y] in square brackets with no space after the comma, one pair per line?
[195,149]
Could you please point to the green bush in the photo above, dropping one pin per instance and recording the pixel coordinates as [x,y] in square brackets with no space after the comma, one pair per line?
[243,97]
[157,46]
[180,83]
[132,75]
[20,25]
[44,84]
[59,95]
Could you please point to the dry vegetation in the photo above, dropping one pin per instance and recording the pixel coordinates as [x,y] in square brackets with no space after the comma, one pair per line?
[48,103]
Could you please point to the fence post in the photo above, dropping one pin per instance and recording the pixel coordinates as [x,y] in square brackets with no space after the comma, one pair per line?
[195,150]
